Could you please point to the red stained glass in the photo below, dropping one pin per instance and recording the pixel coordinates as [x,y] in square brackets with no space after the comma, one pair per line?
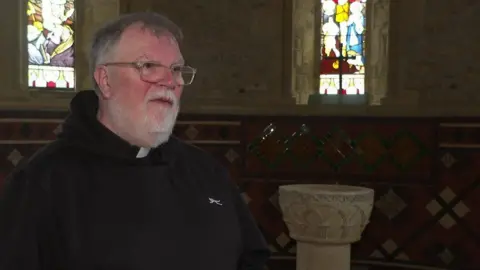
[342,65]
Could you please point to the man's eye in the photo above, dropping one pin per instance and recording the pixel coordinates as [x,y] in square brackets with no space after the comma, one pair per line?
[148,65]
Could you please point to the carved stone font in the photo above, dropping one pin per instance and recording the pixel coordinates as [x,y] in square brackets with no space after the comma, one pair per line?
[325,220]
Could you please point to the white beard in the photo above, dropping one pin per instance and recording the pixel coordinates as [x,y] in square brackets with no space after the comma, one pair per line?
[162,130]
[150,132]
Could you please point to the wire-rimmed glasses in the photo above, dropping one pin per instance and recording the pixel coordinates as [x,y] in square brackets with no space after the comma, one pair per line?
[154,72]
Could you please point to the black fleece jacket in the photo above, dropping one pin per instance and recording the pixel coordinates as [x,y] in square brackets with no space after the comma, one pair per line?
[85,202]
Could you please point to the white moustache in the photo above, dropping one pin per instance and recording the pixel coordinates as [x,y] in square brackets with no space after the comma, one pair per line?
[163,94]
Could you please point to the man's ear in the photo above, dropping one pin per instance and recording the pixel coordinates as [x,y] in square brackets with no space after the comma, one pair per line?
[101,77]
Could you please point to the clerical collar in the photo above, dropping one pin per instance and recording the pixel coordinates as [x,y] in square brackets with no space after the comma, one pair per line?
[143,152]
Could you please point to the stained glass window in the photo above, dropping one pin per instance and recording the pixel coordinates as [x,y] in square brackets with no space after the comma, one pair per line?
[50,36]
[342,70]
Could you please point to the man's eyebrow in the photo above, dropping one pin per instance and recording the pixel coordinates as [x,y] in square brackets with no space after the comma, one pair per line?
[145,59]
[179,62]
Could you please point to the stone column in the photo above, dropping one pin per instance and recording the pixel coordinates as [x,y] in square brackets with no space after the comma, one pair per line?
[95,14]
[304,30]
[325,220]
[377,56]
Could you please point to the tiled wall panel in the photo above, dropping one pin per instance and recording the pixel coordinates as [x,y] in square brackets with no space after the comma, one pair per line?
[425,173]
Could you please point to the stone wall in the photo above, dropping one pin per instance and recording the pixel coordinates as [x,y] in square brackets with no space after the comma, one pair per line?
[237,46]
[436,48]
[247,47]
[245,51]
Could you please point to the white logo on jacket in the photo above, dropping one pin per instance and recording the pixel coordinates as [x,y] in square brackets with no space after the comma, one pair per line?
[213,201]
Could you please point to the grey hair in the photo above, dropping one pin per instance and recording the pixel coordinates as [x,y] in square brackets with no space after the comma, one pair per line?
[106,38]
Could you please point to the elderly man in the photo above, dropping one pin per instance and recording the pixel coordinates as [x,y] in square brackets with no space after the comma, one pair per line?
[116,191]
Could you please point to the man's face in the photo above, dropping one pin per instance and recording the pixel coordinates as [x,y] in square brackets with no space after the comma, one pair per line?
[144,111]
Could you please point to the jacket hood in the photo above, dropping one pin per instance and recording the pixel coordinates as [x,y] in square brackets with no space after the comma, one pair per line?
[82,129]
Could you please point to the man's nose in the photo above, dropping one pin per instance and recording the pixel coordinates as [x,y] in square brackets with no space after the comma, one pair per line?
[167,79]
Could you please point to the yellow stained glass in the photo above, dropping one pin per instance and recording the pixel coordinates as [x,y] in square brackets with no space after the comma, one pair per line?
[50,36]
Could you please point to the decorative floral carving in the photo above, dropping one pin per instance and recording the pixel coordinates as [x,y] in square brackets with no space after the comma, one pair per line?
[326,213]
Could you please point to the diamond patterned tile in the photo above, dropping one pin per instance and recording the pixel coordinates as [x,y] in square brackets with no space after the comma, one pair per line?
[448,208]
[267,215]
[440,247]
[267,151]
[388,149]
[390,204]
[452,238]
[407,151]
[331,151]
[447,159]
[283,240]
[462,179]
[464,211]
[58,129]
[232,155]
[437,226]
[15,157]
[245,197]
[11,154]
[372,151]
[303,148]
[337,149]
[229,155]
[398,215]
[274,200]
[208,130]
[191,132]
[384,143]
[446,256]
[457,169]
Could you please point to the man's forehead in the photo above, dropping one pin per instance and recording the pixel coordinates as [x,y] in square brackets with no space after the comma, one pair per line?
[138,41]
[140,30]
